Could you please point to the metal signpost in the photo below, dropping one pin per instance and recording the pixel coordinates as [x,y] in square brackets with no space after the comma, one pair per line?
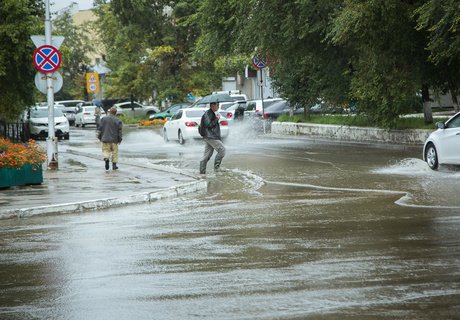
[47,59]
[260,62]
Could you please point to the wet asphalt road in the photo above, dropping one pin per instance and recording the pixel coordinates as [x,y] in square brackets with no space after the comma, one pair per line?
[293,229]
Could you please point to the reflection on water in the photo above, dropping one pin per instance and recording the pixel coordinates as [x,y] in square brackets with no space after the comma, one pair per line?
[290,230]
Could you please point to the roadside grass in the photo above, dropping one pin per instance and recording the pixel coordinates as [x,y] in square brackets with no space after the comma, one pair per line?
[132,120]
[359,121]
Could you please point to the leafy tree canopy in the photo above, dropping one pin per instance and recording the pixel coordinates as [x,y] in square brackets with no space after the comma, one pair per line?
[19,19]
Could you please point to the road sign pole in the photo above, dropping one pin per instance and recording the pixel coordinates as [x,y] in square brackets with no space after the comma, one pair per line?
[51,142]
[260,61]
[261,86]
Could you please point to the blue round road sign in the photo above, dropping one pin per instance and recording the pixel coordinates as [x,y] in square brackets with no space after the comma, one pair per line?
[47,59]
[259,61]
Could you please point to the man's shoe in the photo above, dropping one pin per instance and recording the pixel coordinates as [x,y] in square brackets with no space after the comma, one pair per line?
[114,166]
[106,164]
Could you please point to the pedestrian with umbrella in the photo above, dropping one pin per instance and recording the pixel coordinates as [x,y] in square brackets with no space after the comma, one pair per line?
[210,130]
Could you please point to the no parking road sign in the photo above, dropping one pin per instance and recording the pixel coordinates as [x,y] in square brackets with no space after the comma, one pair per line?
[259,61]
[47,59]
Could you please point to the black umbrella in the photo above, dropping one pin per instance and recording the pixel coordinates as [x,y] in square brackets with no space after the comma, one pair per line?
[217,97]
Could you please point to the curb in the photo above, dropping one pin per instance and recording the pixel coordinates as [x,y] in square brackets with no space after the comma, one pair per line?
[98,204]
[352,134]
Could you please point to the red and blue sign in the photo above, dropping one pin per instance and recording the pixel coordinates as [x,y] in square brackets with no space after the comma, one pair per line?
[47,59]
[259,61]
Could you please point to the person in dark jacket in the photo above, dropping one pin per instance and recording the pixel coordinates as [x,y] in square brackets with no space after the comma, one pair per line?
[212,138]
[110,134]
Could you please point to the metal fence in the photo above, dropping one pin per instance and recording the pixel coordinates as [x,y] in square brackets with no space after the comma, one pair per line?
[18,131]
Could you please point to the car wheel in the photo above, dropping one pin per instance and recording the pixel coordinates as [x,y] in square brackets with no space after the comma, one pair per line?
[181,138]
[66,136]
[82,125]
[165,136]
[431,157]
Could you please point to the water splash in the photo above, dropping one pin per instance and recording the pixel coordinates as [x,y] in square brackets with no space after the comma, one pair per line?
[417,167]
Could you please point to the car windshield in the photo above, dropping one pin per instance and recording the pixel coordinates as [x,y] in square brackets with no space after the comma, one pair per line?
[225,106]
[238,97]
[43,113]
[194,113]
[277,106]
[454,122]
[233,107]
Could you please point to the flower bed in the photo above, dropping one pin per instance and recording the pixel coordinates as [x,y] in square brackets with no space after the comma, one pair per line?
[156,122]
[20,164]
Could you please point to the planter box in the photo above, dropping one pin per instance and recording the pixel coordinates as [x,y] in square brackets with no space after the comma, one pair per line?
[10,177]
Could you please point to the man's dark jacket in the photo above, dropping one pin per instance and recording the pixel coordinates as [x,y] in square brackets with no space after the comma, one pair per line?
[211,124]
[110,129]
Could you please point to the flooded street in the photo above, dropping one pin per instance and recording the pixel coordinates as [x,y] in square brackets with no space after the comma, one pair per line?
[292,229]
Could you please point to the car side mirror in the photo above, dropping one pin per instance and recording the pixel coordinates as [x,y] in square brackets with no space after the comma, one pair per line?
[440,125]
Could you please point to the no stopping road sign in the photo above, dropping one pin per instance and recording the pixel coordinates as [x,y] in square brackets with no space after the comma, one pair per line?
[47,59]
[259,61]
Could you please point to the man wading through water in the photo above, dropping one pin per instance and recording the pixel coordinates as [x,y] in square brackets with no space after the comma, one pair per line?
[211,134]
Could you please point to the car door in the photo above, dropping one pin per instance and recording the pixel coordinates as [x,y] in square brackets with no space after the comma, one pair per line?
[130,110]
[137,110]
[78,115]
[175,125]
[449,141]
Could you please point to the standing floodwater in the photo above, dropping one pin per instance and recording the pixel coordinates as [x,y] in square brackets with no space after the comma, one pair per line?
[293,229]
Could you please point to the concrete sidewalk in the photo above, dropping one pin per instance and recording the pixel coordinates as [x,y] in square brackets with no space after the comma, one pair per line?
[81,183]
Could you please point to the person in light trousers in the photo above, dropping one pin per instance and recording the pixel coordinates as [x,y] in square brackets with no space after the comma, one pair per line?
[212,138]
[110,134]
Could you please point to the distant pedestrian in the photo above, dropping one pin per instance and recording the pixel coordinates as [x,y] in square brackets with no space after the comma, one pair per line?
[212,138]
[110,134]
[97,115]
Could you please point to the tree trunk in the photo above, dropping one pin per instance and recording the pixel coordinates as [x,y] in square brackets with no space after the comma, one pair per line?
[453,94]
[427,112]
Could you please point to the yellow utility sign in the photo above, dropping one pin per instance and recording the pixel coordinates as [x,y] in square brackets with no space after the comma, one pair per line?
[92,82]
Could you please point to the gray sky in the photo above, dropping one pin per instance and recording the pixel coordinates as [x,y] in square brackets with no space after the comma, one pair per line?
[56,5]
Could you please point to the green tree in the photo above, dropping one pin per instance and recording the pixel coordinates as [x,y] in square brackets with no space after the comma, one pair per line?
[19,19]
[441,19]
[304,66]
[388,55]
[74,51]
[149,50]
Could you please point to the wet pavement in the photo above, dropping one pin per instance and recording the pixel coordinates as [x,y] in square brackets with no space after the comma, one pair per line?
[81,183]
[292,229]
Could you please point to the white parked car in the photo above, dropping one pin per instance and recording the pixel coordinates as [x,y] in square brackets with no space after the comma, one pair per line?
[442,146]
[37,118]
[85,115]
[253,107]
[135,109]
[184,125]
[69,112]
[234,111]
